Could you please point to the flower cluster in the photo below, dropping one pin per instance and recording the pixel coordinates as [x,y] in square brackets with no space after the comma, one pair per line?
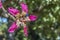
[19,19]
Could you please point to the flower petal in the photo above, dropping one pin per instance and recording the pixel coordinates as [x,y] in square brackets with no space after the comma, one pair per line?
[13,27]
[26,31]
[13,11]
[33,17]
[24,7]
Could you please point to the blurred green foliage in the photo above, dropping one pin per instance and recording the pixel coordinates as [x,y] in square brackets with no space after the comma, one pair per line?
[47,26]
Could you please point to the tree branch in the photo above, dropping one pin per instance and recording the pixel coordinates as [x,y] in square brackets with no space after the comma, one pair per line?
[6,14]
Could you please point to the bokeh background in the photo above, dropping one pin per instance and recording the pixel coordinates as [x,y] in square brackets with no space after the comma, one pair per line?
[46,27]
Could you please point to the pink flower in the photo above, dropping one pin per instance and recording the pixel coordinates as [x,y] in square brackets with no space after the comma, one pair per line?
[32,17]
[24,7]
[0,4]
[26,31]
[13,11]
[13,27]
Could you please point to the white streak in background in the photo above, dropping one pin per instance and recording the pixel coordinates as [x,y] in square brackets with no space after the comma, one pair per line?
[12,2]
[58,38]
[11,36]
[22,1]
[33,1]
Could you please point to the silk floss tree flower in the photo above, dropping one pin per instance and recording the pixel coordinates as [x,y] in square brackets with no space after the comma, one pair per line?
[19,19]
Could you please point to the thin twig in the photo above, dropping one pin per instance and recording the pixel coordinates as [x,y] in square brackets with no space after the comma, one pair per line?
[8,13]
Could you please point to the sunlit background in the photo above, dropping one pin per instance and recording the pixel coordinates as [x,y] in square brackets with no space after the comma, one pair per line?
[46,27]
